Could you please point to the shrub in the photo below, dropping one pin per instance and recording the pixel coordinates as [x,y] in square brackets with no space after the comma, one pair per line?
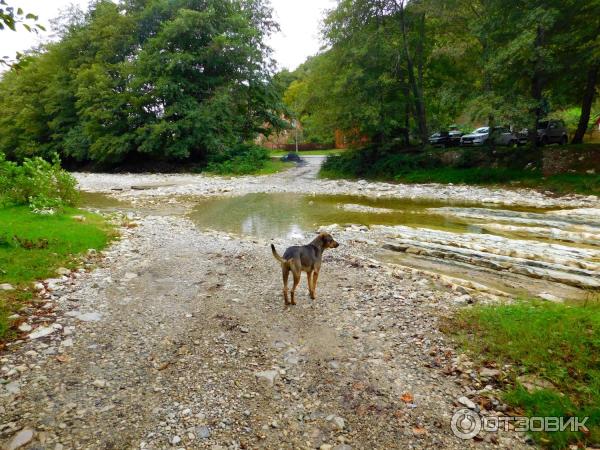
[242,159]
[42,185]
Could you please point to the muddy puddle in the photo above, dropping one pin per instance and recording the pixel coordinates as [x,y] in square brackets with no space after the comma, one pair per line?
[287,215]
[94,200]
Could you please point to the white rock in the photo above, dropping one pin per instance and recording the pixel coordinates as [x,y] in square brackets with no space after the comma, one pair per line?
[6,287]
[23,437]
[25,327]
[337,421]
[41,332]
[175,440]
[466,402]
[14,387]
[85,317]
[63,271]
[550,297]
[489,373]
[268,375]
[99,383]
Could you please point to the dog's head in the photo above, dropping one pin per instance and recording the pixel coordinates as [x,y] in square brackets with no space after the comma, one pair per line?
[327,241]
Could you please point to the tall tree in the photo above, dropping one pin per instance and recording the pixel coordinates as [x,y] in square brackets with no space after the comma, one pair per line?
[165,79]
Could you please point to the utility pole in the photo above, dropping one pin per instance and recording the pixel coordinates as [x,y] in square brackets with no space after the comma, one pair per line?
[296,129]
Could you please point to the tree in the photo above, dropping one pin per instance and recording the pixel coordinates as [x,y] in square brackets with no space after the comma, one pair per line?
[161,79]
[10,17]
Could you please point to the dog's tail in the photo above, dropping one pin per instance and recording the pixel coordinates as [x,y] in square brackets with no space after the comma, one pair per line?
[276,255]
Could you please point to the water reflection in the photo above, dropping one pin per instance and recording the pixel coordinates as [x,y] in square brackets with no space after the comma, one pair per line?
[293,215]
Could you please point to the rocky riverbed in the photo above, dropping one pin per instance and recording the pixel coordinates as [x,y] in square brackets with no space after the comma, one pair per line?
[177,337]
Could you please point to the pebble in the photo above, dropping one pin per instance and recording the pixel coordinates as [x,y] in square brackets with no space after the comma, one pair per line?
[269,376]
[6,287]
[338,422]
[23,437]
[25,327]
[203,432]
[14,387]
[489,373]
[468,403]
[42,332]
[99,383]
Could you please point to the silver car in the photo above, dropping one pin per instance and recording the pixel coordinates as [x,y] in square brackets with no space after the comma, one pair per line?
[480,136]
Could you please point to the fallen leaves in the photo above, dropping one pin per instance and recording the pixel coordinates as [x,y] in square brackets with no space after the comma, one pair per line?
[407,397]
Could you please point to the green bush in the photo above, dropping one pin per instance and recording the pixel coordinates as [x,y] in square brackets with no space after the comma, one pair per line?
[240,160]
[44,186]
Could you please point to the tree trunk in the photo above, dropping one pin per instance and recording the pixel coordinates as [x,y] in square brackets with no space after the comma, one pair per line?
[586,104]
[420,115]
[537,89]
[491,137]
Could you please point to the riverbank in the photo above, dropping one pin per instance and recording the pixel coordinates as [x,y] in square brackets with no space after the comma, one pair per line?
[34,247]
[305,180]
[557,169]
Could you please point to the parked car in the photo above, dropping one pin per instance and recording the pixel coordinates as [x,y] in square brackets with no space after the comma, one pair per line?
[552,131]
[446,138]
[480,136]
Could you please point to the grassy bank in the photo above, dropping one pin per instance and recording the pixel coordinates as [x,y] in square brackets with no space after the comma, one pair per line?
[33,246]
[266,168]
[559,344]
[566,183]
[430,167]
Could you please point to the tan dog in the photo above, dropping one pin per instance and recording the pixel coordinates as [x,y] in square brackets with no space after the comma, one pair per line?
[305,258]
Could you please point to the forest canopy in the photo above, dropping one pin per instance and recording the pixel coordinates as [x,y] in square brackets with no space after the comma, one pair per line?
[144,79]
[394,68]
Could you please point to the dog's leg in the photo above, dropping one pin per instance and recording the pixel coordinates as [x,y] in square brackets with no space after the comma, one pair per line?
[296,282]
[315,278]
[286,275]
[309,278]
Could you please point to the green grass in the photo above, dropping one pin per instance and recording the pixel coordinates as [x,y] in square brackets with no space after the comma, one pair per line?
[333,151]
[272,167]
[560,184]
[32,247]
[558,343]
[268,168]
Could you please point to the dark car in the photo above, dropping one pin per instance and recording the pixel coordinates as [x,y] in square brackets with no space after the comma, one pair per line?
[446,138]
[552,132]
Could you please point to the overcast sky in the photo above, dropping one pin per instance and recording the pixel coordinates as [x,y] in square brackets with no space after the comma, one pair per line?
[299,19]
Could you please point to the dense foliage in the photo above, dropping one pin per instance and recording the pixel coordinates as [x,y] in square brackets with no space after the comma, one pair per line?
[42,185]
[472,166]
[240,160]
[144,79]
[394,67]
